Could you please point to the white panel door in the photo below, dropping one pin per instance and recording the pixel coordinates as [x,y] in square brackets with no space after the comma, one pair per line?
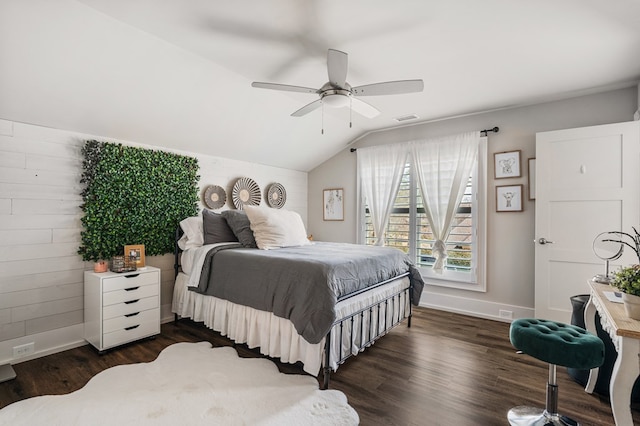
[587,182]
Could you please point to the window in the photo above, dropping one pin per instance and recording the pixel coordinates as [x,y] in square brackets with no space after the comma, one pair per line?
[408,230]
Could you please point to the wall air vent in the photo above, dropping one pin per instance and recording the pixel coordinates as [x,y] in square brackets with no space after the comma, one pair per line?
[404,118]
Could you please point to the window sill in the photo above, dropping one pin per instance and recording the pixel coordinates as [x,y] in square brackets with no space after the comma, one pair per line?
[452,280]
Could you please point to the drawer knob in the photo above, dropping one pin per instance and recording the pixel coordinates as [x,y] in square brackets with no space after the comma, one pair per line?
[131,288]
[131,276]
[131,315]
[132,327]
[132,301]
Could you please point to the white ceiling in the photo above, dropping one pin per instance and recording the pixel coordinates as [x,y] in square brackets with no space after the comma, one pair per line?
[178,73]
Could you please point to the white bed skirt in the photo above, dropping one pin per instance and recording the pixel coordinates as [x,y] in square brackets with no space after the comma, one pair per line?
[277,337]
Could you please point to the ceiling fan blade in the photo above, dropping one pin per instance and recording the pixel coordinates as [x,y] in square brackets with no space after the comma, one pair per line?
[389,88]
[285,87]
[364,108]
[307,108]
[337,63]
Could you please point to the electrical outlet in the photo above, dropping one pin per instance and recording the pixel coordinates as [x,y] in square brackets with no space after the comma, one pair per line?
[23,350]
[505,314]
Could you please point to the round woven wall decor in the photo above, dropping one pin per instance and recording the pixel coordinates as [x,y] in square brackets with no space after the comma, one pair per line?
[245,192]
[214,197]
[276,196]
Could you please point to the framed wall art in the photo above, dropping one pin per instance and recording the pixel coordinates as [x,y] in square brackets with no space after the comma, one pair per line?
[509,198]
[136,251]
[333,204]
[532,178]
[507,164]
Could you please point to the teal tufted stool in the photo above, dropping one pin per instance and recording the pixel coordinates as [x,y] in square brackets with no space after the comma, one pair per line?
[558,344]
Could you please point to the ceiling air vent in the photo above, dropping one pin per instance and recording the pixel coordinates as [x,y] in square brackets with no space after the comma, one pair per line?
[404,118]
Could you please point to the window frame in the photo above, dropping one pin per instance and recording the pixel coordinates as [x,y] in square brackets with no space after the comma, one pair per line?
[474,280]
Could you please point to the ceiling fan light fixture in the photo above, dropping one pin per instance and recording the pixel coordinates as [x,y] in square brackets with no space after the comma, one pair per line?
[336,98]
[337,93]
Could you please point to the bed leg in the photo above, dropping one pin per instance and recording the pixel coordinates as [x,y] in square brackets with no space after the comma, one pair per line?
[326,370]
[326,374]
[410,311]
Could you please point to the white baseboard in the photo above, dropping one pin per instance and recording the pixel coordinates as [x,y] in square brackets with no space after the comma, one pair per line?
[44,344]
[166,319]
[55,341]
[474,307]
[165,314]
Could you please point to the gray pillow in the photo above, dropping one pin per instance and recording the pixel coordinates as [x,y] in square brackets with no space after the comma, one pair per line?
[241,227]
[215,228]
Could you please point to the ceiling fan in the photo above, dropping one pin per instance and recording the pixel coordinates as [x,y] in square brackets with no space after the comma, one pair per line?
[338,93]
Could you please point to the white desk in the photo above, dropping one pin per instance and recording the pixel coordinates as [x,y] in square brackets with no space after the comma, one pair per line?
[625,334]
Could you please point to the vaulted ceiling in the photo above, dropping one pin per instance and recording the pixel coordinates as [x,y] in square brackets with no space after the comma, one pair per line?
[178,73]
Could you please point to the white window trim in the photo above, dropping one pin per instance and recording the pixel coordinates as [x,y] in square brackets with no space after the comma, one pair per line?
[475,281]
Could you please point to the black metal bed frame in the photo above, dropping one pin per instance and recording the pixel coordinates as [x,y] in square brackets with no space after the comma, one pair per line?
[373,332]
[365,315]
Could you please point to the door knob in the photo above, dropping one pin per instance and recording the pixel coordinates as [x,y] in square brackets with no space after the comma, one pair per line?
[542,241]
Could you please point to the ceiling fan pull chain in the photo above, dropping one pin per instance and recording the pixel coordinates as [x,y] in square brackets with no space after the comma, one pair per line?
[322,129]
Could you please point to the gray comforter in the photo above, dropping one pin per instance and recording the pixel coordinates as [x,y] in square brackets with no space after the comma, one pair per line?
[303,283]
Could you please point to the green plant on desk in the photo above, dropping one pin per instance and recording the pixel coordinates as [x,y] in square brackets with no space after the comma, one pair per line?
[627,280]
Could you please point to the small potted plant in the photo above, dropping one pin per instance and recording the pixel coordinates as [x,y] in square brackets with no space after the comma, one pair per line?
[627,280]
[100,266]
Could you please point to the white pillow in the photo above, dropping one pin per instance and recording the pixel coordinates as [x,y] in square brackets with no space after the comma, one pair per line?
[193,233]
[274,228]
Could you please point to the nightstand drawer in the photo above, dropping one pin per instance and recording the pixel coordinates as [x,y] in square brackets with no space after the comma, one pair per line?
[129,294]
[130,320]
[129,281]
[138,305]
[131,333]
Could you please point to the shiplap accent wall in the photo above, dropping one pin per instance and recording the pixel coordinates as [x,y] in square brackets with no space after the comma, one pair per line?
[41,276]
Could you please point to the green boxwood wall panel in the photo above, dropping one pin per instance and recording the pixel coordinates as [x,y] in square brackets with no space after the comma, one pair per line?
[134,195]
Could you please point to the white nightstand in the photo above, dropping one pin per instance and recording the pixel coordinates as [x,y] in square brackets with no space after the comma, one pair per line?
[121,308]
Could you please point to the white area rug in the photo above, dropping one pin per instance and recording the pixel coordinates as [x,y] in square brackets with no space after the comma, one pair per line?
[189,384]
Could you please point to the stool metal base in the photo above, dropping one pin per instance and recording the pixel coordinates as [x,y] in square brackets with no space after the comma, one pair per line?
[532,416]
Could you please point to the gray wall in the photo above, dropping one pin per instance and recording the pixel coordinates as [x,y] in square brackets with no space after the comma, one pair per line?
[510,257]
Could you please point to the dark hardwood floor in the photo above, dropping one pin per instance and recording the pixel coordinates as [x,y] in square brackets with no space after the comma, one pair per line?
[447,369]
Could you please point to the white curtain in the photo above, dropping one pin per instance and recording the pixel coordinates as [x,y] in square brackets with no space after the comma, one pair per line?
[443,167]
[380,171]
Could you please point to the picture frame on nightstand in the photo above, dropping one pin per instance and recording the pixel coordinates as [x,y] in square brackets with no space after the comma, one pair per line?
[137,251]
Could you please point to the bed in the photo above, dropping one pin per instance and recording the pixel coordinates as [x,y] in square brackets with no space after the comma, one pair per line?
[254,277]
